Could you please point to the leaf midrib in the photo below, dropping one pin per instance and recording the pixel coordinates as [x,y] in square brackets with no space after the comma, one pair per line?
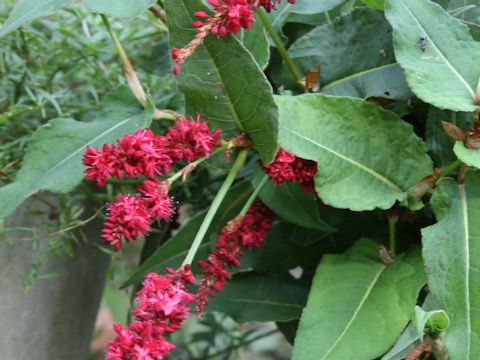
[355,313]
[432,43]
[463,197]
[350,160]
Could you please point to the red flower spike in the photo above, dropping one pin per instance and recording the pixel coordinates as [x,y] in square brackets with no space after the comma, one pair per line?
[241,233]
[288,167]
[163,306]
[128,218]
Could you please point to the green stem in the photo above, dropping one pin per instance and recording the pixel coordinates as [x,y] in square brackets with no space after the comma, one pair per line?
[128,70]
[197,162]
[254,195]
[391,231]
[327,15]
[242,156]
[450,168]
[281,49]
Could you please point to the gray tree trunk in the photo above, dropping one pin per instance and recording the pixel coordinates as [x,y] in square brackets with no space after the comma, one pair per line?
[55,320]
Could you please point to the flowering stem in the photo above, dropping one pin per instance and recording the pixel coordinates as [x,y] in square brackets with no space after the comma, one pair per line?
[450,168]
[194,164]
[253,196]
[281,49]
[242,156]
[128,71]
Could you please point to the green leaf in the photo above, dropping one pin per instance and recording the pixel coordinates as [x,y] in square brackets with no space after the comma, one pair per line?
[256,41]
[173,252]
[439,145]
[291,202]
[357,306]
[253,297]
[54,158]
[409,338]
[376,4]
[439,63]
[471,157]
[119,8]
[28,10]
[222,82]
[432,322]
[358,169]
[450,252]
[363,41]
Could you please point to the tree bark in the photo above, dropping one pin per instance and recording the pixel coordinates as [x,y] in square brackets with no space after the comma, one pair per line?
[55,320]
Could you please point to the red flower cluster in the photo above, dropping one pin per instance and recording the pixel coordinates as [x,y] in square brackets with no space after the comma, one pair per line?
[162,307]
[130,215]
[287,166]
[146,154]
[229,17]
[232,15]
[241,233]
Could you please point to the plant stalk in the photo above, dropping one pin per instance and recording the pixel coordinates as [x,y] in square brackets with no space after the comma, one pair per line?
[253,196]
[242,156]
[128,70]
[450,168]
[281,49]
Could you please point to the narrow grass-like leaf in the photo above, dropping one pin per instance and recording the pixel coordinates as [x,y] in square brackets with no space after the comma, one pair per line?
[28,10]
[54,158]
[427,43]
[357,169]
[358,306]
[451,254]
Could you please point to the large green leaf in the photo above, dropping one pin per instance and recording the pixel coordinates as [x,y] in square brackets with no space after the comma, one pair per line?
[357,168]
[54,158]
[254,297]
[439,144]
[28,10]
[471,157]
[256,41]
[119,8]
[451,253]
[363,40]
[223,82]
[173,252]
[439,64]
[291,202]
[358,306]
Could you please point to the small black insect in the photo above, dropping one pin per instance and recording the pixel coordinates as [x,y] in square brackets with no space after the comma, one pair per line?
[423,42]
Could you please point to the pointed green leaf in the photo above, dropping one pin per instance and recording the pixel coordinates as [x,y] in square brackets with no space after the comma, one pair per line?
[471,157]
[363,40]
[439,63]
[450,252]
[357,169]
[222,82]
[28,10]
[54,158]
[357,306]
[120,8]
[256,41]
[254,297]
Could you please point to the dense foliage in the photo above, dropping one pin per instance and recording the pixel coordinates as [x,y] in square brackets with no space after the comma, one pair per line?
[315,166]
